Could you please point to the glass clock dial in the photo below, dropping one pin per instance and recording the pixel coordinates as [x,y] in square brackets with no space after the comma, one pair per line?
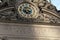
[28,10]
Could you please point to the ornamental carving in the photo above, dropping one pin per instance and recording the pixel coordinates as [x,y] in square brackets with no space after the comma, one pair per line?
[32,11]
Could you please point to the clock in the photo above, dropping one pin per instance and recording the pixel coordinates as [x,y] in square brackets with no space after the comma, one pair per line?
[28,10]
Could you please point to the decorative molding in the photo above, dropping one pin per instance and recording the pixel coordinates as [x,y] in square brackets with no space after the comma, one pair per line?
[40,10]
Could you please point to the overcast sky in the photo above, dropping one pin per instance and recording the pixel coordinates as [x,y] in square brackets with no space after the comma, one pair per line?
[56,3]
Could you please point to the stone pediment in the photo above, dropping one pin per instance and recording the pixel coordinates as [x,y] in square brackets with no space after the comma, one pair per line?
[32,11]
[29,20]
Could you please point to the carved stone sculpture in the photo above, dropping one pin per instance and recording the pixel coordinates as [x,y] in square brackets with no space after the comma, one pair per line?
[24,10]
[29,20]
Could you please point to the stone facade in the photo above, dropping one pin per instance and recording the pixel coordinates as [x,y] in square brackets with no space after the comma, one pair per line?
[29,20]
[11,31]
[34,11]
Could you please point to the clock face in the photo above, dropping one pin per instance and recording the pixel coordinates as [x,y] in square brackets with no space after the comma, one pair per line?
[28,10]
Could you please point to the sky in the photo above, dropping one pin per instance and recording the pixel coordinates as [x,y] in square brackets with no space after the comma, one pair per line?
[56,3]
